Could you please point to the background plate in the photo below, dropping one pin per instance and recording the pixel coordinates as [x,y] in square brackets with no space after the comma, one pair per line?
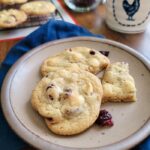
[131,120]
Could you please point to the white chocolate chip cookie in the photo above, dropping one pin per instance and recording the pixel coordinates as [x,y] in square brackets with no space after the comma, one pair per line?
[11,18]
[78,58]
[12,2]
[68,100]
[118,84]
[38,8]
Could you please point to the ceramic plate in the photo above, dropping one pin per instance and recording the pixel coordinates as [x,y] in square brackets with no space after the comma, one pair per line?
[131,120]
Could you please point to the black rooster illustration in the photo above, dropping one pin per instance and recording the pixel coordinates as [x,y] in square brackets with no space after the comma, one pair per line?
[131,9]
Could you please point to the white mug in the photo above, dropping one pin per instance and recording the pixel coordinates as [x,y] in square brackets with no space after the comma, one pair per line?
[128,16]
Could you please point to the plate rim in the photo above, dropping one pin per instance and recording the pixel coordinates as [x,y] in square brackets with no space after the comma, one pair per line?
[34,140]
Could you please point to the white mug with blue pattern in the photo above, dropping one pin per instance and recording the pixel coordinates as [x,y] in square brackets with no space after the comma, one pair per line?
[128,16]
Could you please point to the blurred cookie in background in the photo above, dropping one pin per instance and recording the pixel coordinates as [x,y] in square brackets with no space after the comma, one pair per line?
[38,8]
[11,18]
[12,2]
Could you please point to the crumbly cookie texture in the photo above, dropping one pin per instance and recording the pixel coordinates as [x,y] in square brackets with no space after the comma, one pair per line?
[118,84]
[38,8]
[78,58]
[68,100]
[11,18]
[12,2]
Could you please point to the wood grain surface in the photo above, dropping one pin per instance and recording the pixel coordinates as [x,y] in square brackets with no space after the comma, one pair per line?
[95,22]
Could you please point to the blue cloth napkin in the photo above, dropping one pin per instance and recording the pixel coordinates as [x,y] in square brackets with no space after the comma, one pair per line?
[50,31]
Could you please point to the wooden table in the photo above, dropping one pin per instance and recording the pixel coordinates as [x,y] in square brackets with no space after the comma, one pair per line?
[95,22]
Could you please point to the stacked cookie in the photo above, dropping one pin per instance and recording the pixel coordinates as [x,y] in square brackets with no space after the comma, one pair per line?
[69,95]
[12,17]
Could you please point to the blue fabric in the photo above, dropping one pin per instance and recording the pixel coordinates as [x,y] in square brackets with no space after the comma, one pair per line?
[145,145]
[52,30]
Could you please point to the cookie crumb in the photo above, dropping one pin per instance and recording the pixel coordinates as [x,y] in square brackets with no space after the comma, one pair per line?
[51,97]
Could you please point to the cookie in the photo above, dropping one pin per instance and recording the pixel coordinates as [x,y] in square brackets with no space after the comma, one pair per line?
[11,18]
[78,58]
[12,2]
[68,100]
[118,84]
[38,8]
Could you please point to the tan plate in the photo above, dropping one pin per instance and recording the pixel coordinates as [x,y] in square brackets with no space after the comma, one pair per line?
[131,120]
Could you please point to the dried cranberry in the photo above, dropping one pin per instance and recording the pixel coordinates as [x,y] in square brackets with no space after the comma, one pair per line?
[50,119]
[68,90]
[67,93]
[92,52]
[51,97]
[108,123]
[104,118]
[50,86]
[105,53]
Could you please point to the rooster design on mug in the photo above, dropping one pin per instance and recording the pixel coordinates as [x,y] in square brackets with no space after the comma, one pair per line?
[131,9]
